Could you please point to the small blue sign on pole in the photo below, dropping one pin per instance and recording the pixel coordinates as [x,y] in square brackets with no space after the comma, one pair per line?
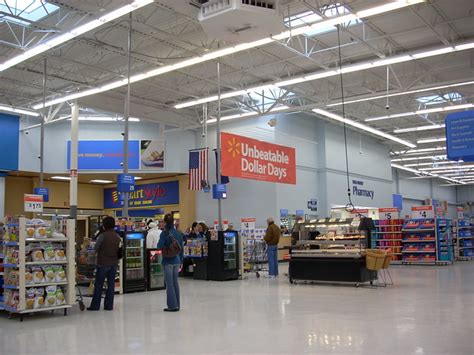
[460,136]
[219,191]
[299,213]
[125,183]
[42,191]
[283,213]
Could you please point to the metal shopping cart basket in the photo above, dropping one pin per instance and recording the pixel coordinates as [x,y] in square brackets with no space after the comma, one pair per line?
[255,256]
[85,275]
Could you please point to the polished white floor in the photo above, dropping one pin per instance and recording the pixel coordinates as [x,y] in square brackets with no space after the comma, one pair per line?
[430,310]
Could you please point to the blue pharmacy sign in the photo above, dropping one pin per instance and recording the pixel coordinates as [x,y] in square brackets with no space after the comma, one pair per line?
[125,183]
[9,142]
[105,155]
[42,191]
[460,136]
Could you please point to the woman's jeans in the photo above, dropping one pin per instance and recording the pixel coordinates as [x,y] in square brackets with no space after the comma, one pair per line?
[172,287]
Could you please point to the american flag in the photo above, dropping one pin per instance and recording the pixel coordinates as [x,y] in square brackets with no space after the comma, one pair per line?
[198,160]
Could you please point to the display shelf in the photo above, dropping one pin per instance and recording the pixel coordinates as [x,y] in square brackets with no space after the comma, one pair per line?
[15,295]
[38,240]
[388,240]
[418,241]
[389,232]
[418,251]
[388,235]
[54,262]
[62,283]
[418,230]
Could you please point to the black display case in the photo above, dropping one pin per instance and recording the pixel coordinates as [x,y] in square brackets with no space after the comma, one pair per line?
[223,258]
[134,261]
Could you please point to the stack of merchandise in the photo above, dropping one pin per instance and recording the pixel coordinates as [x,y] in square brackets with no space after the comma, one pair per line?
[388,235]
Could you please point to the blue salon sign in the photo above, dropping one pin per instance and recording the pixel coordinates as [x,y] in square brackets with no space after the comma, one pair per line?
[125,183]
[147,195]
[105,155]
[460,136]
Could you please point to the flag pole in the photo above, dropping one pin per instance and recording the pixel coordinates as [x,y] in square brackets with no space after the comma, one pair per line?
[218,136]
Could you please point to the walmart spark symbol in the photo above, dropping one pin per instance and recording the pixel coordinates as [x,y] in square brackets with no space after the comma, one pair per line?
[234,147]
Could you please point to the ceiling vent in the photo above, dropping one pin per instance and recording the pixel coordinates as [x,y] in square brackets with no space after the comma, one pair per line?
[240,20]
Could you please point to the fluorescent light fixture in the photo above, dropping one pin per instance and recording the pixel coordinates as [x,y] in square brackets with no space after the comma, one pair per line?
[454,167]
[101,118]
[19,110]
[64,178]
[346,69]
[433,88]
[432,163]
[398,4]
[138,178]
[419,150]
[433,157]
[420,128]
[421,112]
[426,173]
[66,36]
[431,140]
[363,127]
[98,181]
[247,114]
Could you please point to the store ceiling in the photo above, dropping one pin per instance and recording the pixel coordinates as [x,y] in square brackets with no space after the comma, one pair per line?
[168,31]
[85,178]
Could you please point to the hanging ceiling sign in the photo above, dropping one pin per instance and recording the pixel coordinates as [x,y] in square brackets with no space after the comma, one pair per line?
[460,136]
[249,158]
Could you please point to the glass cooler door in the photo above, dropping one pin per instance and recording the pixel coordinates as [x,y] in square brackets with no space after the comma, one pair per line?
[134,257]
[230,250]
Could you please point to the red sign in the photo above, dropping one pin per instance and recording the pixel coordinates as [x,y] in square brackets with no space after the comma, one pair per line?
[422,208]
[253,159]
[388,209]
[360,211]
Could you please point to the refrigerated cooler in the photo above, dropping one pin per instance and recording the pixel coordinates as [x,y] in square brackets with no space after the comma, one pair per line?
[155,274]
[134,263]
[223,258]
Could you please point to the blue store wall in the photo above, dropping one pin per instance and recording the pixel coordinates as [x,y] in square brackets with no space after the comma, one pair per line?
[9,141]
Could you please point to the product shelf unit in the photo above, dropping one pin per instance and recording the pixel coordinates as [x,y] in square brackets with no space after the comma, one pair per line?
[20,289]
[464,245]
[388,235]
[427,241]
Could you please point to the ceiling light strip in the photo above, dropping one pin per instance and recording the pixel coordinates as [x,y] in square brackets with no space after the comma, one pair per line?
[399,4]
[363,127]
[419,128]
[432,88]
[401,167]
[329,73]
[431,140]
[22,111]
[421,112]
[75,32]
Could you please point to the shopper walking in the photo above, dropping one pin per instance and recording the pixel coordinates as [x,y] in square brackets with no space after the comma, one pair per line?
[107,247]
[171,243]
[153,236]
[272,237]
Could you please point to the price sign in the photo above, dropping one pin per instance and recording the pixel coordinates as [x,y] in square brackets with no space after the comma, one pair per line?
[422,212]
[389,213]
[247,223]
[225,224]
[460,211]
[33,203]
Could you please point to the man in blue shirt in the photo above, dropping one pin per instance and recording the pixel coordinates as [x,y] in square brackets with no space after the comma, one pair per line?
[171,263]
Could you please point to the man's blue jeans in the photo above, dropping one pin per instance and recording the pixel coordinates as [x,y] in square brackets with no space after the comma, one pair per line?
[272,253]
[172,287]
[103,272]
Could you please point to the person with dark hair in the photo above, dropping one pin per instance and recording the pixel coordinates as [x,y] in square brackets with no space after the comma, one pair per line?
[193,234]
[107,249]
[171,244]
[203,231]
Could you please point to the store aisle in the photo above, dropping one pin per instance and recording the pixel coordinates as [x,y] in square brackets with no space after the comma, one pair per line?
[429,311]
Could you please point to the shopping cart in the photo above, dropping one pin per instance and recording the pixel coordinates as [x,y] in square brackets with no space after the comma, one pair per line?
[85,275]
[256,256]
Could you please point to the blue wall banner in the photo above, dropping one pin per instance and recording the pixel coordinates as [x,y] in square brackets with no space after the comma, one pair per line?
[148,195]
[397,201]
[460,135]
[9,142]
[105,155]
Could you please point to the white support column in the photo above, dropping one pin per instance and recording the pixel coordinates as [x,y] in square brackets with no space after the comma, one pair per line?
[73,172]
[2,194]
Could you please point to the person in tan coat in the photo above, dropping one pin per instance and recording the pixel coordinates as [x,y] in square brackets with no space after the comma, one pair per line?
[272,237]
